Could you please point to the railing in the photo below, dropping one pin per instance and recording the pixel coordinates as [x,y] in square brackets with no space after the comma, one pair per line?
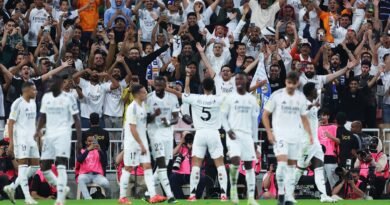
[115,145]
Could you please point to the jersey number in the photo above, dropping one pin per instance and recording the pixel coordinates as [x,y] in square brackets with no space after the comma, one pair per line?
[206,112]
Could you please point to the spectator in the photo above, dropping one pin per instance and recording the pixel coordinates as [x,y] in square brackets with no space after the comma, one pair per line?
[327,137]
[40,189]
[88,18]
[118,9]
[12,39]
[91,168]
[350,188]
[263,14]
[97,132]
[385,80]
[374,168]
[363,138]
[8,166]
[36,17]
[269,186]
[182,168]
[349,144]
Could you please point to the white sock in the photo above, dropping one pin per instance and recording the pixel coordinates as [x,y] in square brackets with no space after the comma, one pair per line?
[250,182]
[233,177]
[298,174]
[50,177]
[290,183]
[319,179]
[61,182]
[163,178]
[148,176]
[222,178]
[23,181]
[124,183]
[280,176]
[156,178]
[32,170]
[194,180]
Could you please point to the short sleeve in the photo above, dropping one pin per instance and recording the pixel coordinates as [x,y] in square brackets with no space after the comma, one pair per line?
[256,108]
[43,104]
[73,106]
[303,107]
[83,83]
[132,114]
[271,104]
[14,114]
[175,104]
[148,105]
[322,79]
[106,86]
[188,98]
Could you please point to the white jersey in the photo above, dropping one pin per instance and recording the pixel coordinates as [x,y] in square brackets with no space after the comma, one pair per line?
[312,116]
[59,112]
[24,114]
[147,23]
[168,105]
[93,97]
[224,87]
[318,80]
[205,110]
[135,115]
[242,111]
[113,104]
[286,114]
[37,18]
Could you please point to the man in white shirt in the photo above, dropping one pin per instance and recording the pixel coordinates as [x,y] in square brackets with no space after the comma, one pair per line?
[263,14]
[136,146]
[241,111]
[288,109]
[219,55]
[36,18]
[58,112]
[21,124]
[207,120]
[94,92]
[385,78]
[163,112]
[312,153]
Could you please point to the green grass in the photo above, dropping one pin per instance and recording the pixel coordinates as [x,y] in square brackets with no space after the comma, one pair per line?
[204,202]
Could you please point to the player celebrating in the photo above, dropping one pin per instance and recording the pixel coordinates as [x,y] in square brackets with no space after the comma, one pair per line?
[312,153]
[136,147]
[241,111]
[288,108]
[163,112]
[20,125]
[207,119]
[58,112]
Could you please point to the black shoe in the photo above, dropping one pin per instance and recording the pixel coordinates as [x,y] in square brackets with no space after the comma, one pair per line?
[281,200]
[172,200]
[288,203]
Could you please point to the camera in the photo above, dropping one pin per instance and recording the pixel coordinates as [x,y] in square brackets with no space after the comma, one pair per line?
[343,173]
[189,138]
[363,154]
[177,162]
[100,27]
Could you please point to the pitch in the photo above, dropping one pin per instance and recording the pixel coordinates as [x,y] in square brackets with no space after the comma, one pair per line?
[204,202]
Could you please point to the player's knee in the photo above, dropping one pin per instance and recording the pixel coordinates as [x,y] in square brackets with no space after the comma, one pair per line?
[161,162]
[146,166]
[128,168]
[235,161]
[61,161]
[248,165]
[291,162]
[46,165]
[317,163]
[22,161]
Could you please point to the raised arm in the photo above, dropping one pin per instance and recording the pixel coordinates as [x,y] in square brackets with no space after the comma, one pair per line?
[6,73]
[64,65]
[332,76]
[205,59]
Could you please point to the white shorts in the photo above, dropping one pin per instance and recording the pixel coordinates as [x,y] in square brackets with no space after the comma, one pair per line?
[56,145]
[207,140]
[132,154]
[281,147]
[162,147]
[27,150]
[242,147]
[307,153]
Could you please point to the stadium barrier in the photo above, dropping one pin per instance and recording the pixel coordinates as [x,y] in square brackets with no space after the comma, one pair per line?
[116,144]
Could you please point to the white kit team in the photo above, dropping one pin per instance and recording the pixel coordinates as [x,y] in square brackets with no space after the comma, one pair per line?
[294,122]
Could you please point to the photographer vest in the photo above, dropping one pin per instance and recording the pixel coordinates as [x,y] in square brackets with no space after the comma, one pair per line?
[364,167]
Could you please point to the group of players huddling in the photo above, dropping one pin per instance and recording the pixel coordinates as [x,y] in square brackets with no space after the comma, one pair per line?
[294,123]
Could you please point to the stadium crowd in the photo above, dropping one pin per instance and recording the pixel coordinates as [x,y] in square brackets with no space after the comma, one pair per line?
[102,49]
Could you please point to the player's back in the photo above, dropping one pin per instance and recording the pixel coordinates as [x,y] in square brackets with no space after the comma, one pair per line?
[286,114]
[59,111]
[205,110]
[135,115]
[24,113]
[241,109]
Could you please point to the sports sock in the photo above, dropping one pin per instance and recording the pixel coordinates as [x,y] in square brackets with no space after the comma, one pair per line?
[298,174]
[250,182]
[148,176]
[124,183]
[319,179]
[233,177]
[280,176]
[290,183]
[23,181]
[222,178]
[194,180]
[50,177]
[61,184]
[32,170]
[163,178]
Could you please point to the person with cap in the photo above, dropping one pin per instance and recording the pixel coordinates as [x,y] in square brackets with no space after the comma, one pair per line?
[118,10]
[302,52]
[263,14]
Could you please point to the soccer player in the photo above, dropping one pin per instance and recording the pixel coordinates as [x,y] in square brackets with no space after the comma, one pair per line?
[136,147]
[207,119]
[58,112]
[312,153]
[288,108]
[241,111]
[21,127]
[162,112]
